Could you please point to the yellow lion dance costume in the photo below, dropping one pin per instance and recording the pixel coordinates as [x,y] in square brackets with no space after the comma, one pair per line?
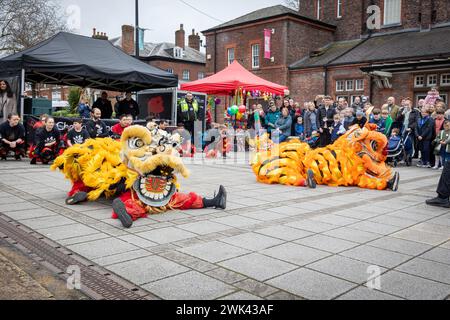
[355,159]
[139,172]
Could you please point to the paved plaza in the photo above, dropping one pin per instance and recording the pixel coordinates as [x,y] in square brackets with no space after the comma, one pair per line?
[272,242]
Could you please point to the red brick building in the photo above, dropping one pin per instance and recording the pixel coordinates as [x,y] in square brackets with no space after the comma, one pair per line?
[335,47]
[184,60]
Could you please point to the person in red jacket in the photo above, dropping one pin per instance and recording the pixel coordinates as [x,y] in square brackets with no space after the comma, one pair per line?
[126,120]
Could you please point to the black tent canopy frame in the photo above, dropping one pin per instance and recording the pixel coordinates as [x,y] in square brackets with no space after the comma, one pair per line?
[74,60]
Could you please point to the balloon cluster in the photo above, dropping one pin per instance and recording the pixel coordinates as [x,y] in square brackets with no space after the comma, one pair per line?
[237,111]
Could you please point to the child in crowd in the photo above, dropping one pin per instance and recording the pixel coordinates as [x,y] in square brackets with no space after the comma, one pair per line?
[313,140]
[337,129]
[360,120]
[300,128]
[349,118]
[378,120]
[386,116]
[442,146]
[77,135]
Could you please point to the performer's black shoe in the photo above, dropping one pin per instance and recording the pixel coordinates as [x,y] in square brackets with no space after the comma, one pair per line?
[219,201]
[77,198]
[122,214]
[393,183]
[4,158]
[438,202]
[310,180]
[33,161]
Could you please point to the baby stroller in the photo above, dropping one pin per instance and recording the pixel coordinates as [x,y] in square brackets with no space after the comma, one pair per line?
[400,149]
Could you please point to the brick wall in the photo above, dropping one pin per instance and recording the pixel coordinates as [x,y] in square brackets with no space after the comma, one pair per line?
[178,68]
[414,14]
[291,41]
[305,85]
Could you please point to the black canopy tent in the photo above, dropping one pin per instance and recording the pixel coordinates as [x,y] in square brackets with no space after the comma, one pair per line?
[74,60]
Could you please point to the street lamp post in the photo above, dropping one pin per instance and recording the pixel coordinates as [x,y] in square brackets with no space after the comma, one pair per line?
[137,29]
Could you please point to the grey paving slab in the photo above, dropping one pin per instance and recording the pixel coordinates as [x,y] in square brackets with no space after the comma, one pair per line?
[257,266]
[327,243]
[432,228]
[252,241]
[263,215]
[102,248]
[345,268]
[166,235]
[364,293]
[284,296]
[284,233]
[236,221]
[30,214]
[376,256]
[137,241]
[312,226]
[204,227]
[214,251]
[148,269]
[394,221]
[421,236]
[47,222]
[11,207]
[88,238]
[352,235]
[296,254]
[241,296]
[257,288]
[311,284]
[399,245]
[412,287]
[289,210]
[375,227]
[189,286]
[335,220]
[437,254]
[442,220]
[356,214]
[67,231]
[427,269]
[225,275]
[122,257]
[10,199]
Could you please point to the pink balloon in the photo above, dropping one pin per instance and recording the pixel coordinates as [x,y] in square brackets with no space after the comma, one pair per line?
[242,109]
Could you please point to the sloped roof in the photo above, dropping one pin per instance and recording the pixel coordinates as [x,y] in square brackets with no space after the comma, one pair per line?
[403,45]
[387,47]
[265,13]
[325,54]
[165,50]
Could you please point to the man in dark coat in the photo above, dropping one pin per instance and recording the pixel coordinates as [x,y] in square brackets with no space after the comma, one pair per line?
[424,131]
[326,116]
[104,105]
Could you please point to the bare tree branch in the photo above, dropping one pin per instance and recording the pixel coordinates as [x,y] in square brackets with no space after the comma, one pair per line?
[24,23]
[294,4]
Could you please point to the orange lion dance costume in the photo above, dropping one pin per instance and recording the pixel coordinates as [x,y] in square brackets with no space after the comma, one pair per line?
[355,159]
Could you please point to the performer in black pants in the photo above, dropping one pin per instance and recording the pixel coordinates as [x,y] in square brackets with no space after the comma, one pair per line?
[443,189]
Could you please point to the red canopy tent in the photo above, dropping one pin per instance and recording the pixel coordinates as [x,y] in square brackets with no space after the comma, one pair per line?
[233,78]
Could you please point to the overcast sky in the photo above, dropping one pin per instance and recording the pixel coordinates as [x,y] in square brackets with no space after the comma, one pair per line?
[163,17]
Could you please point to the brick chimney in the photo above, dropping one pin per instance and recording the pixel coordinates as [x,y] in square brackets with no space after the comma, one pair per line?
[128,39]
[99,35]
[180,37]
[194,41]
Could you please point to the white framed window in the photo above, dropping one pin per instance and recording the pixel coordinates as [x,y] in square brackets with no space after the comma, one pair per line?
[230,54]
[56,95]
[201,75]
[340,85]
[419,81]
[432,80]
[178,52]
[170,70]
[341,97]
[255,56]
[392,11]
[339,8]
[186,75]
[349,85]
[359,85]
[445,79]
[319,8]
